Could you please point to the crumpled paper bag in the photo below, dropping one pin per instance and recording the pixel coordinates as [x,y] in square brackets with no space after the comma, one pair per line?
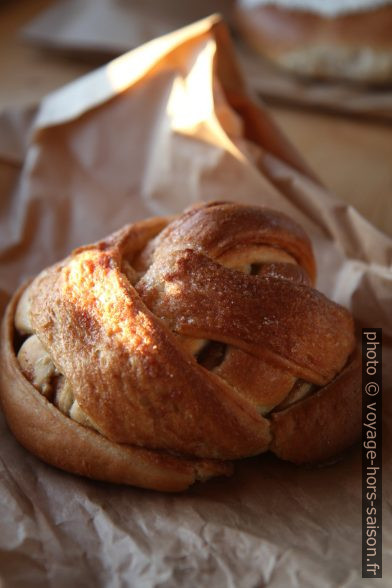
[161,127]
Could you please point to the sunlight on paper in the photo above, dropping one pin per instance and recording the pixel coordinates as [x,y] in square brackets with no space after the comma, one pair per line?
[195,107]
[128,68]
[191,101]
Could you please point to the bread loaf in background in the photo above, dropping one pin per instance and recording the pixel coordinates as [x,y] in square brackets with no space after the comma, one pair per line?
[348,40]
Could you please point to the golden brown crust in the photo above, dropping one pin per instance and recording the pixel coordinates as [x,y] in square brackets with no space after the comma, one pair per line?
[58,440]
[279,33]
[264,384]
[264,316]
[179,338]
[220,228]
[139,387]
[324,424]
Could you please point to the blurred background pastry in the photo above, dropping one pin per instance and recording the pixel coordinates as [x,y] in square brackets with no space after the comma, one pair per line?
[347,40]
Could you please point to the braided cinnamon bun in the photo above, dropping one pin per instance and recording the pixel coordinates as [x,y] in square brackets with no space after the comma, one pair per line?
[160,354]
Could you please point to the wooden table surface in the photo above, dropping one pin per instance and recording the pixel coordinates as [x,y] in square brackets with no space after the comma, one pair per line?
[352,157]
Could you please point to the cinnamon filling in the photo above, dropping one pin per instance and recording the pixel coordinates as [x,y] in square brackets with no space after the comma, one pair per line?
[212,355]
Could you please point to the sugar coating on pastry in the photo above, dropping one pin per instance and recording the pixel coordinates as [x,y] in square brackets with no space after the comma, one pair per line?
[175,346]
